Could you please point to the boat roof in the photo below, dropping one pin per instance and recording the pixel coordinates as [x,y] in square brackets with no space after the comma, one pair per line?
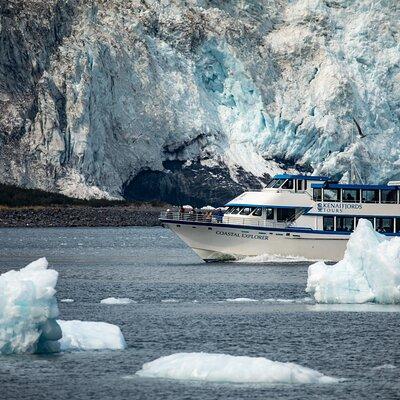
[304,177]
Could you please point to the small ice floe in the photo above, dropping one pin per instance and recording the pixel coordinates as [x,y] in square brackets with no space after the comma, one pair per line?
[28,309]
[270,258]
[88,335]
[241,300]
[170,301]
[369,271]
[385,366]
[300,300]
[227,368]
[67,300]
[115,300]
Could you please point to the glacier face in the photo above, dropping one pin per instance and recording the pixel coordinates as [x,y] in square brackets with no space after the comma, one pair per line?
[197,99]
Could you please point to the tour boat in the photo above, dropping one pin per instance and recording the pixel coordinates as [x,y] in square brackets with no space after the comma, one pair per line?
[303,216]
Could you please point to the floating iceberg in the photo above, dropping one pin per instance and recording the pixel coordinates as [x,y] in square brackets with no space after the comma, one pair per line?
[87,335]
[227,368]
[114,300]
[28,310]
[369,271]
[241,300]
[67,300]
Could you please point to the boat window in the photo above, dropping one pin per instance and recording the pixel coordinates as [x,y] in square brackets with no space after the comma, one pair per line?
[368,218]
[269,213]
[331,195]
[350,195]
[317,196]
[345,224]
[370,196]
[285,214]
[305,184]
[397,225]
[385,225]
[329,224]
[288,184]
[229,210]
[246,211]
[271,183]
[257,212]
[389,196]
[300,185]
[235,210]
[278,183]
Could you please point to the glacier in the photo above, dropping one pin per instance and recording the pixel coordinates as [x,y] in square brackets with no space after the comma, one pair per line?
[228,368]
[28,312]
[369,271]
[196,100]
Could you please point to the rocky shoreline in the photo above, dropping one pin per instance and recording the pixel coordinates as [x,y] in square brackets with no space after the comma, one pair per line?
[81,216]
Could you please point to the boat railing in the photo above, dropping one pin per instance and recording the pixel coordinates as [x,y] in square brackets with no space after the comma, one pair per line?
[216,218]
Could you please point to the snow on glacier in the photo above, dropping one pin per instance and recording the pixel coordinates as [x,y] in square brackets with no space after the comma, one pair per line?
[28,310]
[369,271]
[90,335]
[228,368]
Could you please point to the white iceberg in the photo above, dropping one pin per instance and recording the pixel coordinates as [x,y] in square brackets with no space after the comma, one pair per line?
[114,300]
[227,368]
[88,335]
[28,312]
[241,300]
[67,300]
[28,309]
[369,271]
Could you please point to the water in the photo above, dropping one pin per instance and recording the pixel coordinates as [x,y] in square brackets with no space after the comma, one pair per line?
[150,265]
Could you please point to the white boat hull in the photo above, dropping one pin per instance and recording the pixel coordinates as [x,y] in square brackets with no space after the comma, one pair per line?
[222,242]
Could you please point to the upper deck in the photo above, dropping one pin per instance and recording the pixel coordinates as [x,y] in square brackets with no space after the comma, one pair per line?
[316,203]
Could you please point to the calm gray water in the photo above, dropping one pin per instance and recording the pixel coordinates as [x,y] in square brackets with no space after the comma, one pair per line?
[150,265]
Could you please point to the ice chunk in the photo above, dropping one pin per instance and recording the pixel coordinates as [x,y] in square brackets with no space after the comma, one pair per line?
[169,301]
[227,368]
[28,309]
[385,366]
[88,335]
[67,300]
[114,300]
[369,271]
[241,300]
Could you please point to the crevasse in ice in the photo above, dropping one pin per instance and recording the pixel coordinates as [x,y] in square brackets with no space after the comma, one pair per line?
[369,271]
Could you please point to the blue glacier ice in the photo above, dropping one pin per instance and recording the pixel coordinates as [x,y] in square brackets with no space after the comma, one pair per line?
[369,271]
[28,310]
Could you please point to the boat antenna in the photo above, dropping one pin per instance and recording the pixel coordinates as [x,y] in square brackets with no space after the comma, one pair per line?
[355,173]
